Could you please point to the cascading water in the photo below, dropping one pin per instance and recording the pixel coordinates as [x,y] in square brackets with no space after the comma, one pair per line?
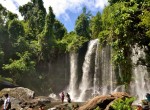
[140,84]
[87,77]
[99,77]
[96,75]
[73,76]
[107,74]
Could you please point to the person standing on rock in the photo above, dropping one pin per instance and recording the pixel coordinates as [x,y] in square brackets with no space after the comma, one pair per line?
[7,103]
[62,97]
[68,98]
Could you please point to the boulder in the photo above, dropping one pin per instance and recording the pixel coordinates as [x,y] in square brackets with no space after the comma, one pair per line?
[103,101]
[37,101]
[20,93]
[120,94]
[22,98]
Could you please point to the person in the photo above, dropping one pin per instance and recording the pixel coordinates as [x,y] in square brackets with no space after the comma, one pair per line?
[68,98]
[146,102]
[148,97]
[62,97]
[7,103]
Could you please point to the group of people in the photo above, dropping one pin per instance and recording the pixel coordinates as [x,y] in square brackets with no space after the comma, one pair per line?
[62,95]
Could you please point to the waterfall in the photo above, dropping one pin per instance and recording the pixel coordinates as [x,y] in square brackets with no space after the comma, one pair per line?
[96,75]
[107,74]
[87,77]
[73,76]
[140,83]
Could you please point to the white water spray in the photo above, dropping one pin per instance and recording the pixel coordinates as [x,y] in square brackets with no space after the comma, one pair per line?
[108,80]
[96,76]
[140,84]
[73,76]
[86,82]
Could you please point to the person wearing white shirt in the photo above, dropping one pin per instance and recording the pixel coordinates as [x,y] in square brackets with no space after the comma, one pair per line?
[7,103]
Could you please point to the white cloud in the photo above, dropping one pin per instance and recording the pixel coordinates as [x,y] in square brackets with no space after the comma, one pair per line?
[60,7]
[12,5]
[101,3]
[9,5]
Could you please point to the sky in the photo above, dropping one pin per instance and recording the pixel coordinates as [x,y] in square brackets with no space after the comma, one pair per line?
[66,11]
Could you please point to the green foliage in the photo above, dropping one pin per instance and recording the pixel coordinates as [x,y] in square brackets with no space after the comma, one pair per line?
[145,22]
[123,104]
[103,36]
[59,30]
[22,65]
[15,29]
[12,16]
[39,36]
[5,16]
[82,24]
[97,108]
[22,45]
[46,38]
[6,79]
[34,14]
[122,28]
[1,56]
[73,42]
[96,25]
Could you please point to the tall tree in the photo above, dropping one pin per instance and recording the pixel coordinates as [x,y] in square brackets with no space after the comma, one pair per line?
[5,17]
[46,38]
[59,30]
[96,25]
[82,24]
[34,14]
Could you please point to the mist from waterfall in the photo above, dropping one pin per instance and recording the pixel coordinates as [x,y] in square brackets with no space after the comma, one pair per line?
[140,79]
[73,84]
[87,77]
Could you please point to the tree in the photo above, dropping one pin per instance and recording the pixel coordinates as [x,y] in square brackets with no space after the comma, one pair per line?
[82,24]
[15,29]
[34,14]
[6,15]
[5,45]
[59,30]
[96,25]
[46,38]
[23,65]
[73,42]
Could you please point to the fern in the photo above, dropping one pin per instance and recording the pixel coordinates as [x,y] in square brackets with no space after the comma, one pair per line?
[121,104]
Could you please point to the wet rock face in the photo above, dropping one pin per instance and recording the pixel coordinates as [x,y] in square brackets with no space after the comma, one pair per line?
[104,101]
